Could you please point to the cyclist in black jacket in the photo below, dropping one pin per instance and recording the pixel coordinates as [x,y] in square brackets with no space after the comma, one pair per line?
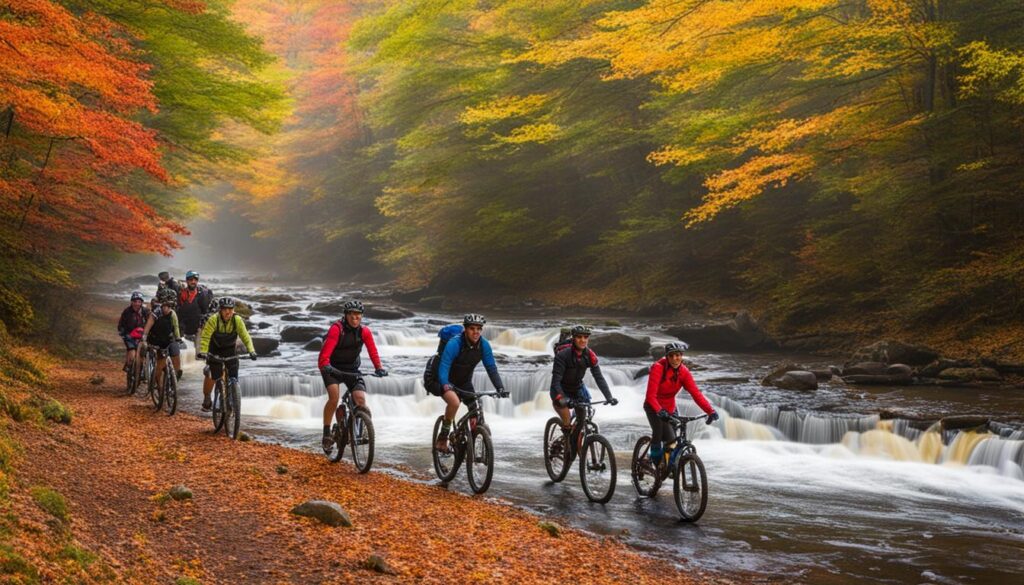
[571,365]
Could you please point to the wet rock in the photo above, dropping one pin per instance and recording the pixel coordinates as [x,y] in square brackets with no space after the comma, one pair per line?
[551,528]
[179,493]
[620,345]
[281,310]
[244,437]
[981,374]
[538,359]
[243,310]
[329,513]
[741,333]
[265,345]
[314,344]
[292,317]
[966,421]
[300,333]
[780,370]
[335,307]
[388,312]
[823,375]
[96,379]
[797,380]
[729,380]
[1003,366]
[895,352]
[642,372]
[263,325]
[272,298]
[438,322]
[433,302]
[933,369]
[281,469]
[865,369]
[900,370]
[378,564]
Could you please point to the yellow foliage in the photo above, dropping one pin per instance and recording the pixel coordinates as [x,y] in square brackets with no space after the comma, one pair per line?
[503,108]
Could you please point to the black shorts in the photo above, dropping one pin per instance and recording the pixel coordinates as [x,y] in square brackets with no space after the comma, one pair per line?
[216,367]
[172,348]
[352,380]
[438,390]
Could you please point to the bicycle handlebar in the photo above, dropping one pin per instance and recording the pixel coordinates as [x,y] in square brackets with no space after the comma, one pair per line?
[458,390]
[225,359]
[686,419]
[575,403]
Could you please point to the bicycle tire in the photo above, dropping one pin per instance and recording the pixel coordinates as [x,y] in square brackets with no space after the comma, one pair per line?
[597,461]
[690,478]
[158,390]
[446,465]
[479,484]
[170,391]
[130,380]
[234,413]
[217,412]
[552,432]
[339,432]
[646,484]
[361,437]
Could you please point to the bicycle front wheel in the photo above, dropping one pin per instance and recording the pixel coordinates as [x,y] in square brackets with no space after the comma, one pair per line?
[691,487]
[170,391]
[361,435]
[157,394]
[598,472]
[646,479]
[232,411]
[480,460]
[446,463]
[218,406]
[130,379]
[557,454]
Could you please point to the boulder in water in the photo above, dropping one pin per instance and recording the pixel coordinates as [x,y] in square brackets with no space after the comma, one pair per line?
[797,380]
[265,345]
[329,513]
[741,333]
[272,298]
[300,333]
[314,344]
[865,369]
[262,325]
[278,310]
[388,312]
[895,352]
[1003,366]
[780,370]
[291,317]
[243,310]
[619,345]
[335,307]
[933,369]
[980,374]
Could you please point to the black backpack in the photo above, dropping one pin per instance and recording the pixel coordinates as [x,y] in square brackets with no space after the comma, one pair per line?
[431,372]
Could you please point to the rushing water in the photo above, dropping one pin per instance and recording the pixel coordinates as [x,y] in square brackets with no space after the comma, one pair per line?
[810,486]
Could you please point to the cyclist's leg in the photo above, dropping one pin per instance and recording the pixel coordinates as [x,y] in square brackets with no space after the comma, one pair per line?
[657,432]
[216,370]
[331,384]
[175,352]
[160,369]
[357,386]
[561,411]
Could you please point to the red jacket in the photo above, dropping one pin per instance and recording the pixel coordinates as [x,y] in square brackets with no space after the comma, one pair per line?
[334,333]
[664,383]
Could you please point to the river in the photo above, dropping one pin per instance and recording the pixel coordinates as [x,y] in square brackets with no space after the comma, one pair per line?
[809,487]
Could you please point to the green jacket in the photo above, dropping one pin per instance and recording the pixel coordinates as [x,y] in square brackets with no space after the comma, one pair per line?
[217,325]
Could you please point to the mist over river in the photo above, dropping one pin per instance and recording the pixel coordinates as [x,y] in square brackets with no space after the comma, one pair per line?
[810,487]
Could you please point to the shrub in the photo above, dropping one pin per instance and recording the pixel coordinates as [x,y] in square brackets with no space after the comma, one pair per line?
[50,501]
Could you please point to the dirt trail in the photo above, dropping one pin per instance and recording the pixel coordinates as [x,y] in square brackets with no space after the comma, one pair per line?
[117,457]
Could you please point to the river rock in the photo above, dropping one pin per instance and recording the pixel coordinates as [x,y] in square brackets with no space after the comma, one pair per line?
[778,371]
[278,310]
[272,298]
[895,352]
[619,345]
[329,513]
[335,307]
[265,345]
[980,374]
[378,564]
[388,312]
[180,492]
[97,379]
[642,372]
[933,369]
[262,325]
[797,380]
[741,333]
[243,310]
[313,344]
[900,370]
[964,421]
[432,302]
[1003,366]
[300,333]
[865,369]
[292,317]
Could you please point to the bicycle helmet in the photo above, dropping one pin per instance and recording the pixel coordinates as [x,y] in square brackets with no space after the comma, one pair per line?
[581,330]
[167,296]
[473,319]
[676,347]
[191,274]
[137,296]
[225,303]
[163,275]
[353,307]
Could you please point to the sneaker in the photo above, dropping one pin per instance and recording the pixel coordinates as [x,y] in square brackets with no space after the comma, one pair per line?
[327,443]
[207,404]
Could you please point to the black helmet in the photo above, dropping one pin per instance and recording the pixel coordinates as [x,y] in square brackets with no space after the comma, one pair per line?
[164,275]
[676,347]
[225,303]
[167,296]
[137,296]
[581,330]
[353,307]
[473,319]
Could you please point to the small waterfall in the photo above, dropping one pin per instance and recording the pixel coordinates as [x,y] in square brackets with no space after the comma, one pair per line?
[1006,455]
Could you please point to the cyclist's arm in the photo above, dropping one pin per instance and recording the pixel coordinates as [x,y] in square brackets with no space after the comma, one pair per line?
[174,321]
[122,326]
[204,337]
[490,365]
[371,348]
[149,325]
[243,333]
[557,371]
[595,370]
[330,342]
[653,379]
[695,392]
[451,351]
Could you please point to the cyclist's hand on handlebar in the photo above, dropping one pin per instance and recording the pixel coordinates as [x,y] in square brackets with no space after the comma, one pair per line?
[200,356]
[380,373]
[502,393]
[613,401]
[562,401]
[663,414]
[252,355]
[712,417]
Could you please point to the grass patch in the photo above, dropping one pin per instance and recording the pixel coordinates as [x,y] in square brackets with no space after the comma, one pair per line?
[15,569]
[187,581]
[82,557]
[55,411]
[51,502]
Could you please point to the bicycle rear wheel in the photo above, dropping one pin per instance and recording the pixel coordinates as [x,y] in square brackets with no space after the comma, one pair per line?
[480,460]
[557,452]
[598,472]
[361,435]
[691,487]
[232,410]
[170,391]
[446,463]
[218,406]
[645,477]
[130,378]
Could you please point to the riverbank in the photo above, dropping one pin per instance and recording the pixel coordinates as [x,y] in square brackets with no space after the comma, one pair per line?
[113,466]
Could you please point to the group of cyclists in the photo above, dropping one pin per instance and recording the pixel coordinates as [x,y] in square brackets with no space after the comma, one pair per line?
[179,310]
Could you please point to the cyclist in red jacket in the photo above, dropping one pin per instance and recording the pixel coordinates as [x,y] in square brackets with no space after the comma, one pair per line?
[668,376]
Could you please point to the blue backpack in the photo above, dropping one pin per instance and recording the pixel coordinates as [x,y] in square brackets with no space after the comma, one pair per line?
[430,373]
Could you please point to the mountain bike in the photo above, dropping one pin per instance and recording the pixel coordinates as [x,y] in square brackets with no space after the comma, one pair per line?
[598,471]
[165,396]
[227,400]
[469,440]
[149,374]
[136,371]
[690,481]
[354,426]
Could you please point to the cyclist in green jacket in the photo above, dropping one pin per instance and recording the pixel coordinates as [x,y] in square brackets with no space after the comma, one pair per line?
[218,337]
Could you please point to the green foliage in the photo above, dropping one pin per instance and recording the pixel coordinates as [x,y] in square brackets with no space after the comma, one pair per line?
[54,411]
[187,581]
[15,569]
[51,502]
[80,556]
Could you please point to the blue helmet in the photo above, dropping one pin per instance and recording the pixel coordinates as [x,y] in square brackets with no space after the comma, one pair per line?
[191,274]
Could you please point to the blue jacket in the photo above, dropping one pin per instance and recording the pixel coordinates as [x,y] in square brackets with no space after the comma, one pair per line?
[452,350]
